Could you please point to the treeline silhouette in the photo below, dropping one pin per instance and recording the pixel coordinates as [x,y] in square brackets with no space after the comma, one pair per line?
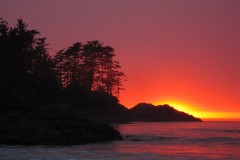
[90,65]
[25,59]
[55,100]
[49,100]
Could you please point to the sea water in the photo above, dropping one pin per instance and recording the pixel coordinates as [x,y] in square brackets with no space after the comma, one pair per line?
[146,141]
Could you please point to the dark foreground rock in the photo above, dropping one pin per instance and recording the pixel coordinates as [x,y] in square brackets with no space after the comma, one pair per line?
[23,128]
[30,116]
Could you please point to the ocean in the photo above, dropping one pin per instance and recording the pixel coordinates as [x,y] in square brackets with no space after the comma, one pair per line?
[146,141]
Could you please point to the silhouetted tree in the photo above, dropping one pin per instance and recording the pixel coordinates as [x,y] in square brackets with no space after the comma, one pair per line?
[68,65]
[92,66]
[58,61]
[73,58]
[4,58]
[117,77]
[105,58]
[23,53]
[24,56]
[90,63]
[71,64]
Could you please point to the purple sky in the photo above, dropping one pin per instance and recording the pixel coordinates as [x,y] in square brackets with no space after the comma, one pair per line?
[184,51]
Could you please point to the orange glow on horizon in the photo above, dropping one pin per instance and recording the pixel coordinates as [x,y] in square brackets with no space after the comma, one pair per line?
[192,66]
[190,109]
[216,115]
[178,104]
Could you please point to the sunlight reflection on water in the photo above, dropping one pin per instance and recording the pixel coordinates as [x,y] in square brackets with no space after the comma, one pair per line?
[207,140]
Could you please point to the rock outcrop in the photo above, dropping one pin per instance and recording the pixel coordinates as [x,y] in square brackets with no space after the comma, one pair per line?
[149,112]
[26,128]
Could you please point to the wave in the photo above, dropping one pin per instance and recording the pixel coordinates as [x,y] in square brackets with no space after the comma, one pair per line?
[232,131]
[148,138]
[185,140]
[216,140]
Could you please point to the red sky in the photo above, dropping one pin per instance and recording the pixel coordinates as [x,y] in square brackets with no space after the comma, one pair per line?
[185,53]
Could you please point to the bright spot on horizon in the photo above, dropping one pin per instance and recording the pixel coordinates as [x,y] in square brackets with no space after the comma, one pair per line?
[185,54]
[180,106]
[193,110]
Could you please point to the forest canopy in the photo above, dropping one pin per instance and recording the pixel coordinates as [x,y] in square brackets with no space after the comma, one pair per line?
[24,58]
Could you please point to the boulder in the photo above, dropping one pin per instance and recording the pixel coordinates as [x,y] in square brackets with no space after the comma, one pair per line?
[23,128]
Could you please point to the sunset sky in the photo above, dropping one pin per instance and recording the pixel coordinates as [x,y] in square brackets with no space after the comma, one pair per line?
[182,52]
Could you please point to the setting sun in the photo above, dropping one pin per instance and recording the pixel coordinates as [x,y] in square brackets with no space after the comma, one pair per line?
[120,79]
[180,104]
[195,111]
[175,50]
[177,105]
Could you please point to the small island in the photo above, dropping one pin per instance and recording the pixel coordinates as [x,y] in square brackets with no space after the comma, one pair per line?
[66,99]
[151,113]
